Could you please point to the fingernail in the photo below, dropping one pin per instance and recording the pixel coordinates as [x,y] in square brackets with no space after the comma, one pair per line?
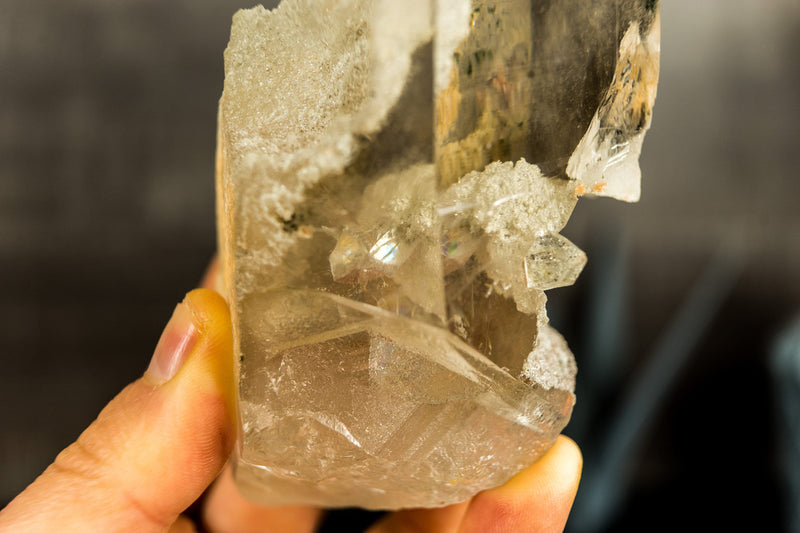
[177,340]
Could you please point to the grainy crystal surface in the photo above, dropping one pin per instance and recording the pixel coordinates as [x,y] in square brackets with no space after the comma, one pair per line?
[392,180]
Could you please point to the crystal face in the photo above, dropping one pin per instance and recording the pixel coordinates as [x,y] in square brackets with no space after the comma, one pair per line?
[392,178]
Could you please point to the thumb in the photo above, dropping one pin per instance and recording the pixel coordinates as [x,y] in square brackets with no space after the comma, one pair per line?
[156,447]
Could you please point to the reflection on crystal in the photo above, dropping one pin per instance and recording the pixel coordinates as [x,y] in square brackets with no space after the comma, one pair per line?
[458,245]
[553,261]
[350,261]
[385,250]
[391,189]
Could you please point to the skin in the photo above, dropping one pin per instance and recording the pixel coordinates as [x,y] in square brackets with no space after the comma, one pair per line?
[159,445]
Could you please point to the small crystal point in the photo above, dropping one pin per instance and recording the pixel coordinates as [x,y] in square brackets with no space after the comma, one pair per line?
[348,258]
[553,261]
[392,178]
[606,162]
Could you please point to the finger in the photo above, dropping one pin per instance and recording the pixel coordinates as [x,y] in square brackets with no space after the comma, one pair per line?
[212,278]
[538,499]
[183,525]
[156,446]
[442,520]
[226,511]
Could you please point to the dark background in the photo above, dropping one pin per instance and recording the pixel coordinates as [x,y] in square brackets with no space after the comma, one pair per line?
[107,134]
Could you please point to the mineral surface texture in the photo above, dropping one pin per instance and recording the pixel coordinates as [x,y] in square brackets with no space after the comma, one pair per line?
[392,180]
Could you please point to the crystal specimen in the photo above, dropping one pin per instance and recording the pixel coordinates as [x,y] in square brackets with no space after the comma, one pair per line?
[392,179]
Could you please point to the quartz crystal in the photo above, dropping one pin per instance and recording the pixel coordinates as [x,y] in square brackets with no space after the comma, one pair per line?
[392,179]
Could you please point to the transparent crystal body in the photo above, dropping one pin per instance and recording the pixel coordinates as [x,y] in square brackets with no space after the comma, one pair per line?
[392,178]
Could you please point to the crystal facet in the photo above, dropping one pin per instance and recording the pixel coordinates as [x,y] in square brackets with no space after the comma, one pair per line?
[392,178]
[552,261]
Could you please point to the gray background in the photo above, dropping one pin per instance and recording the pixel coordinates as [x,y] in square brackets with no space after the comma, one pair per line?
[107,125]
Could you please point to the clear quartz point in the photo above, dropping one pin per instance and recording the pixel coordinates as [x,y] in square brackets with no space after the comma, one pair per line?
[392,178]
[553,261]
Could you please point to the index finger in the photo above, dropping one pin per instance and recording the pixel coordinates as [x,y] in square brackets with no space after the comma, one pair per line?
[212,277]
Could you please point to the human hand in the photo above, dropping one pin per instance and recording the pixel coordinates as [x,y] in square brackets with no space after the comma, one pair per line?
[156,448]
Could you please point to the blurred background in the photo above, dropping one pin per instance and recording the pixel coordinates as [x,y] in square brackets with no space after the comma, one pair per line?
[684,323]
